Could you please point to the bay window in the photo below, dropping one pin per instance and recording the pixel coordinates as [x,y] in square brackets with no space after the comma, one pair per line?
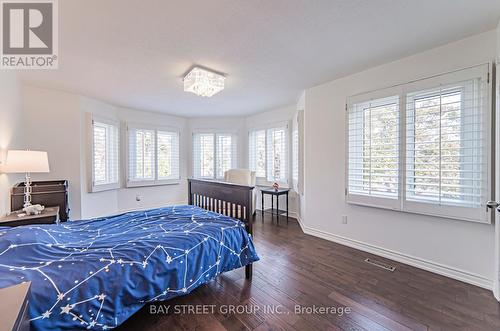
[268,153]
[213,154]
[153,156]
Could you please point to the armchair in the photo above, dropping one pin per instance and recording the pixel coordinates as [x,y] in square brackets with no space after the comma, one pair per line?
[242,177]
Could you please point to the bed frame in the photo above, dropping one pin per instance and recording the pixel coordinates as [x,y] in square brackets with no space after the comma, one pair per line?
[232,200]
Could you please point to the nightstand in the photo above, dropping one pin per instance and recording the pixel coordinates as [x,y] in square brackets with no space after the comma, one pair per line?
[14,308]
[50,215]
[275,193]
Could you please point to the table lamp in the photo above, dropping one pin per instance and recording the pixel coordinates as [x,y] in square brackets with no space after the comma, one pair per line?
[26,162]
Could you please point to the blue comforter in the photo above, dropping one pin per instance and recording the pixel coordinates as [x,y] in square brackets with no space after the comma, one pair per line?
[95,274]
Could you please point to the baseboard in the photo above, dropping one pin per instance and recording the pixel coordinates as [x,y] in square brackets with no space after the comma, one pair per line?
[437,268]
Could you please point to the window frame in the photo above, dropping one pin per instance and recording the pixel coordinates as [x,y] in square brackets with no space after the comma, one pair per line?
[109,185]
[156,181]
[367,200]
[215,134]
[295,142]
[263,181]
[479,214]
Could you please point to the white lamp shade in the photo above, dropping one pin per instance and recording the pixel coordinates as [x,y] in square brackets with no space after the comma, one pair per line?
[26,161]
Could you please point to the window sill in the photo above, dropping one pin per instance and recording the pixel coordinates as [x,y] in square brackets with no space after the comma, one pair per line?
[132,184]
[261,182]
[104,187]
[449,212]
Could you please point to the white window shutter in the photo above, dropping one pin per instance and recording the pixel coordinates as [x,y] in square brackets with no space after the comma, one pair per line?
[257,152]
[226,157]
[277,154]
[105,154]
[141,156]
[295,152]
[204,155]
[447,144]
[100,153]
[168,155]
[153,156]
[373,149]
[214,154]
[442,166]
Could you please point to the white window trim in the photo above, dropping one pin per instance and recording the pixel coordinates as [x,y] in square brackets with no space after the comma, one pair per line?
[91,118]
[365,200]
[401,204]
[454,212]
[215,132]
[262,181]
[153,182]
[295,168]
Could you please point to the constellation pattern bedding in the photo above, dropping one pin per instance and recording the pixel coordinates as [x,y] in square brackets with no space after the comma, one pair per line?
[95,274]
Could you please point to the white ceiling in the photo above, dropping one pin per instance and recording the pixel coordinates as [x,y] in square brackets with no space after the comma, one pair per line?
[134,53]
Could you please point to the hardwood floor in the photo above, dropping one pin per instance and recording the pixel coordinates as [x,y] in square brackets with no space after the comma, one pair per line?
[300,270]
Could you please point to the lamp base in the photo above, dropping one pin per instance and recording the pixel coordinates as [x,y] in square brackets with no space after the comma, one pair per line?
[27,190]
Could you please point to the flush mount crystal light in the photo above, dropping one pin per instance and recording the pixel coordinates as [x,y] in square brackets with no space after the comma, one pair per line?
[203,82]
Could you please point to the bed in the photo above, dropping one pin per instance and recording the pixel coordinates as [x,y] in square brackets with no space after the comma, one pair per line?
[94,274]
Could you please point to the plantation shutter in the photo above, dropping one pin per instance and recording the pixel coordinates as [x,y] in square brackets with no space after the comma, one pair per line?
[373,151]
[168,155]
[226,153]
[442,167]
[203,155]
[277,154]
[153,156]
[257,152]
[295,152]
[447,143]
[105,155]
[141,154]
[213,154]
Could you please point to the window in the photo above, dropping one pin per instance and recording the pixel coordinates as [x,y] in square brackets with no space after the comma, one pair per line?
[153,156]
[373,151]
[105,155]
[297,173]
[268,154]
[442,166]
[257,150]
[168,155]
[295,152]
[213,154]
[447,130]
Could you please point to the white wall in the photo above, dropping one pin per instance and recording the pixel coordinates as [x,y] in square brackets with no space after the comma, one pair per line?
[55,122]
[125,199]
[10,131]
[457,248]
[52,124]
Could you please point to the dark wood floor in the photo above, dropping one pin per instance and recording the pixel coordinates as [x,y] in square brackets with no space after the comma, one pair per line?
[297,269]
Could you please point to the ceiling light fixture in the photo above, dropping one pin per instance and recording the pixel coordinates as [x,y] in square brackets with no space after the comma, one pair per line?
[203,82]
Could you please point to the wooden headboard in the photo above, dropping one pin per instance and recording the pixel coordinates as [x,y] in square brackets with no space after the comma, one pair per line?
[229,199]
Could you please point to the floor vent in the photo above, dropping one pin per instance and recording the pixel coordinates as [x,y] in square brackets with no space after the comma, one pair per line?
[380,264]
